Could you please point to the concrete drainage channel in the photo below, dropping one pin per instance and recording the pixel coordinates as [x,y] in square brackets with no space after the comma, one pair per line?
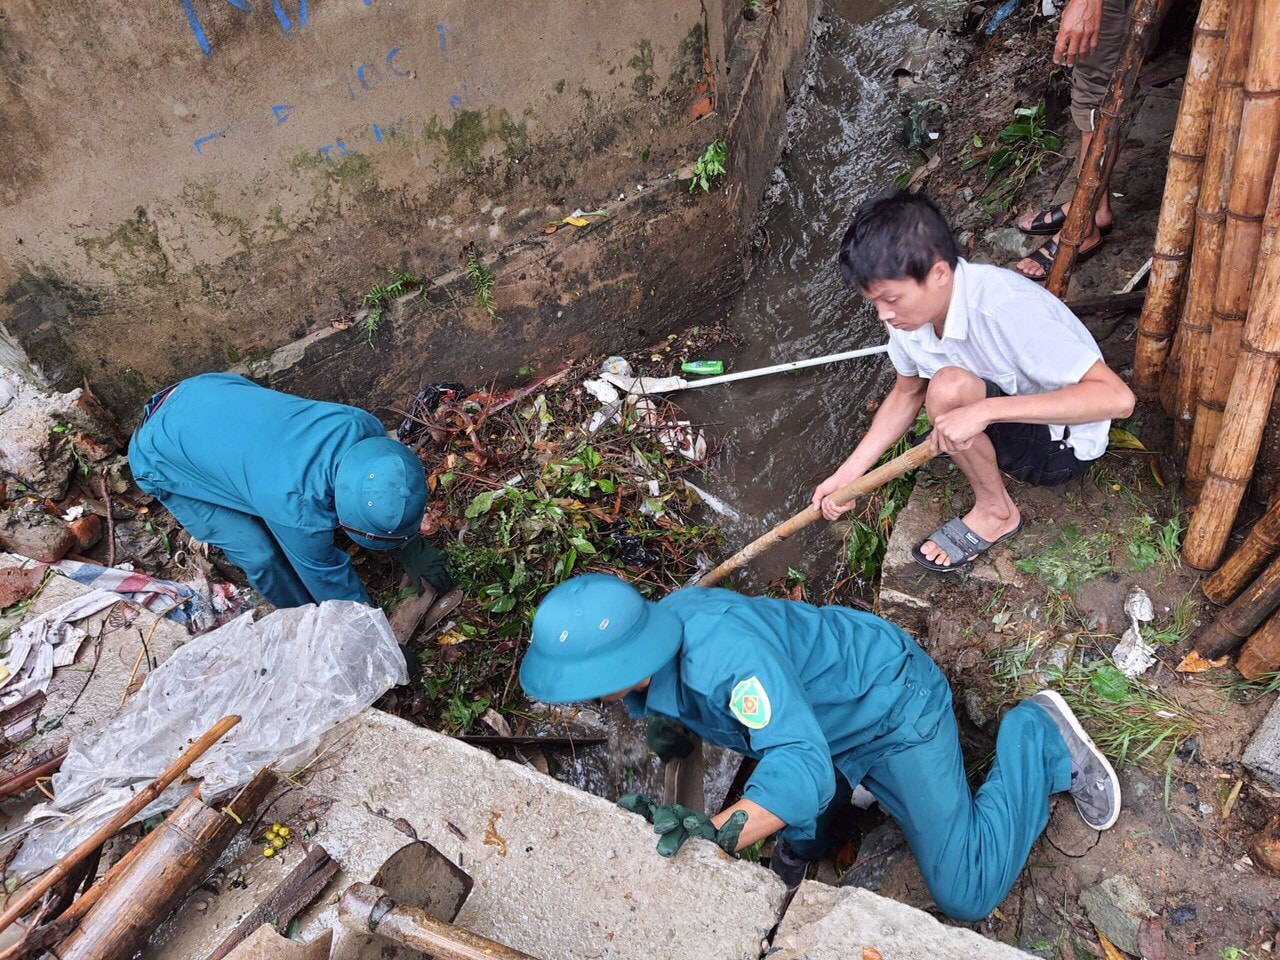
[557,873]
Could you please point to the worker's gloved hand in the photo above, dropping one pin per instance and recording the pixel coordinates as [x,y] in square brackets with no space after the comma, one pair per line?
[640,803]
[675,824]
[668,739]
[422,561]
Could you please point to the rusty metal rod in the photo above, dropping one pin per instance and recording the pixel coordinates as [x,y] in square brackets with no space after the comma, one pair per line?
[367,909]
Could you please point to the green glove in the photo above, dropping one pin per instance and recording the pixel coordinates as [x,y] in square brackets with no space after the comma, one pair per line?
[422,561]
[675,824]
[668,739]
[638,803]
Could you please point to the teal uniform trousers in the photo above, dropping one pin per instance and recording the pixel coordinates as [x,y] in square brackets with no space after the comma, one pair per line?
[828,696]
[252,471]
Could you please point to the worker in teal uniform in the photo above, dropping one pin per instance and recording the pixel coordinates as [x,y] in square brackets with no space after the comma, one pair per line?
[822,698]
[269,478]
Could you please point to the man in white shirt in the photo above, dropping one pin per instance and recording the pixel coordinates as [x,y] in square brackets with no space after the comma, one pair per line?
[1011,379]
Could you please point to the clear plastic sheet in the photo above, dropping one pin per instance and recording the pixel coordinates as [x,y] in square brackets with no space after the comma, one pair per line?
[290,677]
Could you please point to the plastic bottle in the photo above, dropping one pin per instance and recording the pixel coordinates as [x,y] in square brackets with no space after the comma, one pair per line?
[705,368]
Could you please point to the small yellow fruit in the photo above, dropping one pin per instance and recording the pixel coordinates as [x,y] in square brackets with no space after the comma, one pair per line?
[276,827]
[277,842]
[284,831]
[268,851]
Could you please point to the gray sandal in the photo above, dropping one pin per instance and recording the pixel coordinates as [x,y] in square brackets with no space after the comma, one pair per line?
[959,543]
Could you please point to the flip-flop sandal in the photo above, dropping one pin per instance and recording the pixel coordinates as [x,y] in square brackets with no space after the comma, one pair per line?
[1043,258]
[1050,221]
[961,545]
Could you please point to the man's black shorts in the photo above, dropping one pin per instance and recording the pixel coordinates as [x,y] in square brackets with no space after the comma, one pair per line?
[1026,452]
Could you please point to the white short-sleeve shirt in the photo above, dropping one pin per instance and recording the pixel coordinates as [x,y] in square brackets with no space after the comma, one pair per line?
[1005,328]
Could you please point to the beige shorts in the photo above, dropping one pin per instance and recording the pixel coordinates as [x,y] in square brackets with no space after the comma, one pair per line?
[1091,75]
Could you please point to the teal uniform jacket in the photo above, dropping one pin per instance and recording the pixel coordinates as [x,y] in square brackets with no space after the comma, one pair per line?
[230,458]
[805,690]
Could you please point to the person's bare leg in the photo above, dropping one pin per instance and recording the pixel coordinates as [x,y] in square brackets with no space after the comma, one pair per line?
[1102,218]
[994,513]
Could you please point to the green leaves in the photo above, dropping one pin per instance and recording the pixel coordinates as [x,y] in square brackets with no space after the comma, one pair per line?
[1108,683]
[709,166]
[481,505]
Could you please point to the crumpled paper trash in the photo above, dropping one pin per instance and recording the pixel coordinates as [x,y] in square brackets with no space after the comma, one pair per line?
[44,642]
[1133,655]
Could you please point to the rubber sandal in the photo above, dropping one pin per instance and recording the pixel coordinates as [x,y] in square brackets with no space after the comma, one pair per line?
[1050,221]
[961,545]
[1043,258]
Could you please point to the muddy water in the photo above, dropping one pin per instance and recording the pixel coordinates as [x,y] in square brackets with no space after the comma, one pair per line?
[783,434]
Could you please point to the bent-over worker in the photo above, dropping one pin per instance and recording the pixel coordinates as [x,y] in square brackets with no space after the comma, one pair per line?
[269,478]
[823,698]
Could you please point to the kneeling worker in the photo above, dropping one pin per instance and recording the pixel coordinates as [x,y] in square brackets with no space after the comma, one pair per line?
[823,698]
[268,478]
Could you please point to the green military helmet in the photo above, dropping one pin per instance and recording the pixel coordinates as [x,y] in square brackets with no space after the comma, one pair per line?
[380,493]
[594,635]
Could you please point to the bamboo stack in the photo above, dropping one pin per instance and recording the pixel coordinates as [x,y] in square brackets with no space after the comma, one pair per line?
[1170,259]
[1238,621]
[1261,652]
[1253,387]
[1211,212]
[1254,167]
[1243,565]
[1101,158]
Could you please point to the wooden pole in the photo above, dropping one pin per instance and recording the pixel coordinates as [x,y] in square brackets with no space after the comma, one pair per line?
[191,838]
[1211,213]
[864,484]
[29,894]
[1236,622]
[44,765]
[368,909]
[1243,565]
[1266,846]
[1248,404]
[1251,176]
[294,893]
[1095,171]
[1261,652]
[1171,254]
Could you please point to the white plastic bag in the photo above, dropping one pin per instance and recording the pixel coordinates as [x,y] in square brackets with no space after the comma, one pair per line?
[290,677]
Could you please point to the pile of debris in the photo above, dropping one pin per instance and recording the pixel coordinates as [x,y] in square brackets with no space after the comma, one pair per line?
[528,488]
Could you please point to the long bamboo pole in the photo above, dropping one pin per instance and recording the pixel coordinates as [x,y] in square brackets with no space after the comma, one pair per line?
[1248,404]
[1095,171]
[1211,214]
[29,894]
[1255,164]
[1243,565]
[1243,616]
[1261,652]
[864,484]
[1171,254]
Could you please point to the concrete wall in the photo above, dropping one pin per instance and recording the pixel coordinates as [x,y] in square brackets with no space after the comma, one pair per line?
[192,184]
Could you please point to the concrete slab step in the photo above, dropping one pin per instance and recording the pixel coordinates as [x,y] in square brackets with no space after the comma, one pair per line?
[558,873]
[839,923]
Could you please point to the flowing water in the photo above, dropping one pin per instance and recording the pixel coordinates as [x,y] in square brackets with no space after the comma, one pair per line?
[785,433]
[781,435]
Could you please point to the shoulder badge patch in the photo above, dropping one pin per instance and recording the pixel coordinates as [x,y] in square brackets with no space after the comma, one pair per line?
[750,704]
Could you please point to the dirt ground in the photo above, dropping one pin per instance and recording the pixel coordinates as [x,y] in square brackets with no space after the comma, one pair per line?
[1191,810]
